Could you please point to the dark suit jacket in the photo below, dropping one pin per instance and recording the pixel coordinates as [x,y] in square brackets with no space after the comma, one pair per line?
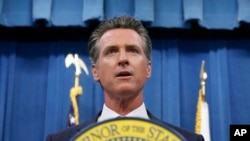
[68,133]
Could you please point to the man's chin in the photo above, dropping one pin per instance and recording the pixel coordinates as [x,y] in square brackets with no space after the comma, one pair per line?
[126,94]
[125,91]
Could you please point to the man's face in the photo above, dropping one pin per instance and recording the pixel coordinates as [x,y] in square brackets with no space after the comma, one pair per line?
[122,67]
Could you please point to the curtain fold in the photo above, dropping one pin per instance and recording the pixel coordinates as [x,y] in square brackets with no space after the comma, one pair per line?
[168,14]
[144,10]
[1,12]
[238,57]
[41,10]
[66,13]
[220,88]
[52,113]
[92,10]
[171,80]
[8,97]
[16,13]
[193,10]
[220,14]
[5,66]
[115,8]
[210,14]
[243,11]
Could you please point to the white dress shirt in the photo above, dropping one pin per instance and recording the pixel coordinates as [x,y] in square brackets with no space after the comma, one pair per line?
[107,113]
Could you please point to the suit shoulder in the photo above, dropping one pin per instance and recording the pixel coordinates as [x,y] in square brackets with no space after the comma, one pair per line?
[68,133]
[189,135]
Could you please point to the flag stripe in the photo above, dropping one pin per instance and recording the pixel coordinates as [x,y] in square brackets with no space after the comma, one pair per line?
[205,129]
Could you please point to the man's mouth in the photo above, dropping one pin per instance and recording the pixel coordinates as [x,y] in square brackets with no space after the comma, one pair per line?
[124,74]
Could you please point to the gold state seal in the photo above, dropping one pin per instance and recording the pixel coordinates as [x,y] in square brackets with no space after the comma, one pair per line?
[128,129]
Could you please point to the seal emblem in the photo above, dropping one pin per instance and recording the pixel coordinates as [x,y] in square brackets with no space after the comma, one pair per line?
[128,129]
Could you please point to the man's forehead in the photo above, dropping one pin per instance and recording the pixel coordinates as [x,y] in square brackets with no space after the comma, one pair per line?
[118,37]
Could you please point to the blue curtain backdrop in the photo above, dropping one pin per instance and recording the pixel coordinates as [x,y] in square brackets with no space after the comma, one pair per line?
[210,14]
[35,84]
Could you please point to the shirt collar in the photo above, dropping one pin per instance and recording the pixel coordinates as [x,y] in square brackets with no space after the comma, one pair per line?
[107,113]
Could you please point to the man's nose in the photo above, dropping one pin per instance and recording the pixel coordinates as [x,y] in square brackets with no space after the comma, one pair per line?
[123,58]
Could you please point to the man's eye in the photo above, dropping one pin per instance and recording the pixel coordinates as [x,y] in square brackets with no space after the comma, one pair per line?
[111,51]
[133,50]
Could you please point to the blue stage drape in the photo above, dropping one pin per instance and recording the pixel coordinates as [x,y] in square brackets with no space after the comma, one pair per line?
[210,14]
[35,85]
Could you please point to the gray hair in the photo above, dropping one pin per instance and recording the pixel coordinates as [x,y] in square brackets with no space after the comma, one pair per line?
[126,22]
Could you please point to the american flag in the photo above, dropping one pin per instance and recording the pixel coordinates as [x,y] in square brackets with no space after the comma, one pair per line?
[71,117]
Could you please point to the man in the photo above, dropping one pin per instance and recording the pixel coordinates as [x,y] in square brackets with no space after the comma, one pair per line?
[120,53]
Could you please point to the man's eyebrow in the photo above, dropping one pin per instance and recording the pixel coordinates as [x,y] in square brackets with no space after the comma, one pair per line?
[110,47]
[107,48]
[133,46]
[128,46]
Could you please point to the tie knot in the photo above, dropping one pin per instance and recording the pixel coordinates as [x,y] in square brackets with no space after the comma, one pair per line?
[120,116]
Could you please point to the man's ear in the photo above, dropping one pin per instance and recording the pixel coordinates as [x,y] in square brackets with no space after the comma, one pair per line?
[149,69]
[95,72]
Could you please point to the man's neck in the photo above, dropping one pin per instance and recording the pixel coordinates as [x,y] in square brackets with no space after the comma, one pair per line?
[108,113]
[123,106]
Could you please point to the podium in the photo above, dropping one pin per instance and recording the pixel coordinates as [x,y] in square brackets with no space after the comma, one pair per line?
[128,129]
